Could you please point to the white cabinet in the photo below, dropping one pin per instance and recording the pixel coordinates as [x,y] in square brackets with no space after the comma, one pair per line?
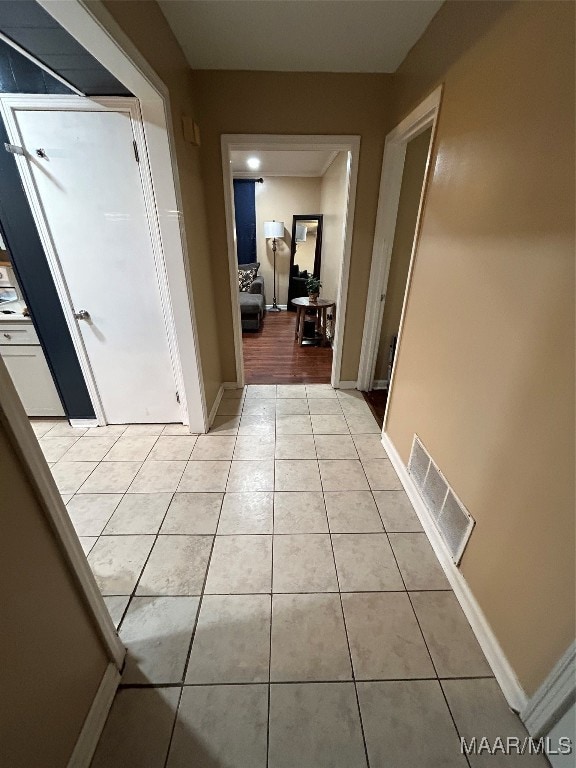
[26,364]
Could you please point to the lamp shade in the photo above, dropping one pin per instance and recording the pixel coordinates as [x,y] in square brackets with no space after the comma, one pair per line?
[273,229]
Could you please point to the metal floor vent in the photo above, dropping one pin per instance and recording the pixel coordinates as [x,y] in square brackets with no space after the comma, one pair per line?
[450,516]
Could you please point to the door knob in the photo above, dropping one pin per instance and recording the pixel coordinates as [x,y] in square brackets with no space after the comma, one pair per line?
[82,314]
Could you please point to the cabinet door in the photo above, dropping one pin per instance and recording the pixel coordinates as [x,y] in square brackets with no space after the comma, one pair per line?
[32,379]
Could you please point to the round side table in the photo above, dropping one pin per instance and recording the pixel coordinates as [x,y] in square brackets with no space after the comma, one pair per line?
[321,307]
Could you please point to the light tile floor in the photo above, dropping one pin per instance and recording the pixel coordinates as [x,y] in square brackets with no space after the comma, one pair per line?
[279,600]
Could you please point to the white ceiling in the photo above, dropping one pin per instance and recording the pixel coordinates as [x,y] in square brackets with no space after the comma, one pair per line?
[282,163]
[298,35]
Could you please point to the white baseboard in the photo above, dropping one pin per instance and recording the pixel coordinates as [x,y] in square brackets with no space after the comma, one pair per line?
[505,675]
[346,385]
[95,720]
[212,415]
[280,306]
[231,385]
[85,423]
[556,694]
[380,384]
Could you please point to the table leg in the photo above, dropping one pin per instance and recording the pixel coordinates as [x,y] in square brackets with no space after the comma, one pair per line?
[297,327]
[302,312]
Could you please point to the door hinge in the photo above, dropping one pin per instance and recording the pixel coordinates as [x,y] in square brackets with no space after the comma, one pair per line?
[177,397]
[382,295]
[136,155]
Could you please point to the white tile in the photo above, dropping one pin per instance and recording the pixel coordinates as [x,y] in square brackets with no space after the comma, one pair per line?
[254,447]
[329,425]
[240,565]
[352,512]
[303,563]
[308,639]
[212,448]
[111,477]
[232,640]
[54,448]
[157,632]
[320,390]
[246,513]
[293,406]
[178,430]
[139,513]
[116,605]
[64,429]
[110,430]
[70,475]
[417,562]
[257,425]
[230,407]
[89,449]
[295,447]
[293,425]
[335,447]
[205,476]
[363,423]
[144,429]
[365,563]
[192,513]
[138,729]
[176,566]
[248,476]
[315,724]
[299,512]
[291,391]
[42,426]
[221,725]
[224,425]
[397,512]
[385,639]
[261,390]
[131,448]
[259,407]
[381,475]
[342,475]
[325,406]
[407,723]
[87,543]
[233,394]
[369,447]
[297,475]
[173,447]
[117,562]
[90,512]
[158,477]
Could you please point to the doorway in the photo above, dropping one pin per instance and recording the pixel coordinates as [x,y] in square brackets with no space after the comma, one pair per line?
[86,178]
[304,190]
[405,170]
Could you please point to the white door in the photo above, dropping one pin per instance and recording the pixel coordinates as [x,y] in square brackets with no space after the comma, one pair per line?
[87,179]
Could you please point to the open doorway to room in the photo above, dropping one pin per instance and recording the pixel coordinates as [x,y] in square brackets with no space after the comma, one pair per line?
[289,215]
[404,174]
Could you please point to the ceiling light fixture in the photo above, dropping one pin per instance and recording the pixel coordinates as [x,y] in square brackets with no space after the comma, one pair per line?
[253,163]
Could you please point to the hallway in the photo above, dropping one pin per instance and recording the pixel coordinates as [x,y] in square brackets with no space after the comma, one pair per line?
[279,600]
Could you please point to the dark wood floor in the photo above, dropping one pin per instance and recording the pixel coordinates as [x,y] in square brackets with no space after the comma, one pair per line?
[376,399]
[271,356]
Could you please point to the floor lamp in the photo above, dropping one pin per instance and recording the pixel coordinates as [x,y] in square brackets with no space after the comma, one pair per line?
[274,230]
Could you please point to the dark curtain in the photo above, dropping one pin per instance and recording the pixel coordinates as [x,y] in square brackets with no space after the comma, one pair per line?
[245,205]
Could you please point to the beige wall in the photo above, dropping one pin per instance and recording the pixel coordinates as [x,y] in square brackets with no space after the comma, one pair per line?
[280,198]
[145,25]
[334,198]
[261,102]
[485,372]
[410,192]
[52,659]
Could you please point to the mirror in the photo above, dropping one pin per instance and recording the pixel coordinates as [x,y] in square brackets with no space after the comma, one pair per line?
[305,254]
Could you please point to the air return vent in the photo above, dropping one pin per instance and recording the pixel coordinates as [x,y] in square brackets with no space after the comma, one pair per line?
[451,518]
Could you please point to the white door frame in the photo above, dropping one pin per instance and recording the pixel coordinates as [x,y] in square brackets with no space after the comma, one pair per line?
[11,103]
[255,142]
[419,120]
[95,29]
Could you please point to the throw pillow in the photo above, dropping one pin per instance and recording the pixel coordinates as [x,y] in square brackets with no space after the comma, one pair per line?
[246,278]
